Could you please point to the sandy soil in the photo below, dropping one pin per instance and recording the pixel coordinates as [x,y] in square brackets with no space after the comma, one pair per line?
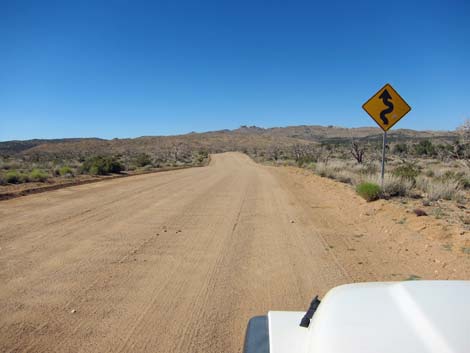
[179,261]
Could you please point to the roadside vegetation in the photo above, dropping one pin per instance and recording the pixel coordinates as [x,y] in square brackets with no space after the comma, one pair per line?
[412,175]
[368,191]
[427,172]
[45,168]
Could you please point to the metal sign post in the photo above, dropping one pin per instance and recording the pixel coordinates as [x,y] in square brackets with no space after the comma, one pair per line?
[384,145]
[386,107]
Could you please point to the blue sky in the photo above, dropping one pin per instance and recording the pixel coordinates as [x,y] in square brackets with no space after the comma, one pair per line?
[132,68]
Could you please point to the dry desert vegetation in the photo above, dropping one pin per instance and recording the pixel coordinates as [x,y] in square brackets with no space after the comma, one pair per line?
[432,167]
[430,174]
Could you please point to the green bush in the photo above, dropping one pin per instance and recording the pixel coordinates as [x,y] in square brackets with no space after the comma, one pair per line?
[65,170]
[96,170]
[13,177]
[37,175]
[100,165]
[425,148]
[406,171]
[368,191]
[302,161]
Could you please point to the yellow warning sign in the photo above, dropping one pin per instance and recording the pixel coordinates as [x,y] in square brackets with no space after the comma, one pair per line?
[386,107]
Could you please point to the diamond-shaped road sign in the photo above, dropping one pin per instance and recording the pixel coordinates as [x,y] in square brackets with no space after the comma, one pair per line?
[386,107]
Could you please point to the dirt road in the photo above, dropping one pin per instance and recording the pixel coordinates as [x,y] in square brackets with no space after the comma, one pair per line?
[179,261]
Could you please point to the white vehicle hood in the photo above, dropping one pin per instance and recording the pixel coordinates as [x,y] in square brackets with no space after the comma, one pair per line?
[389,317]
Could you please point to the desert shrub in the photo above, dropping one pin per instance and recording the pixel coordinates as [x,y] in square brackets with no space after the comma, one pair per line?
[3,180]
[203,155]
[114,166]
[460,198]
[439,172]
[100,165]
[424,148]
[38,175]
[147,168]
[304,160]
[14,177]
[406,171]
[338,169]
[400,148]
[465,182]
[422,183]
[65,171]
[395,186]
[97,170]
[326,170]
[322,169]
[443,190]
[311,166]
[341,170]
[368,191]
[11,165]
[200,158]
[450,175]
[142,160]
[288,163]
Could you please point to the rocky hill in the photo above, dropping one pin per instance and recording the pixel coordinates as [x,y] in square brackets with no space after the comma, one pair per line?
[243,138]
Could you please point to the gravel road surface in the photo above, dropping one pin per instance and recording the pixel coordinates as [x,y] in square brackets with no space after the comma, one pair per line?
[179,261]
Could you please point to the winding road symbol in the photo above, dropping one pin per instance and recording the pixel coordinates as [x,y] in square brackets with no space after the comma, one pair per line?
[386,107]
[385,97]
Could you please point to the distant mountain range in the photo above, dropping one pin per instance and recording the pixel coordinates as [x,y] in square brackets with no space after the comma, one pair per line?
[245,137]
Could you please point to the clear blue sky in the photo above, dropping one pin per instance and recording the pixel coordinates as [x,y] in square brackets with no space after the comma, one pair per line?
[132,68]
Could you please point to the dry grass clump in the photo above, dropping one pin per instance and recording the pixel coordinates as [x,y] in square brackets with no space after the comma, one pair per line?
[337,170]
[422,183]
[450,172]
[440,188]
[443,190]
[346,176]
[366,168]
[441,172]
[324,170]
